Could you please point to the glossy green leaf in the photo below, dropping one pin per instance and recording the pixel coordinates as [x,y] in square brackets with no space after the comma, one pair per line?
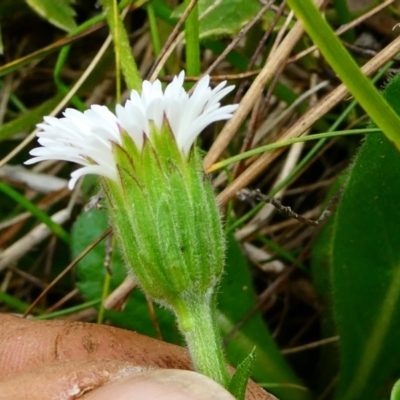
[226,19]
[236,299]
[57,12]
[366,268]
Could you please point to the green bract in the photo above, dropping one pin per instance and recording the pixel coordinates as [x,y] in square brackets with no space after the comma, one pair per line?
[166,219]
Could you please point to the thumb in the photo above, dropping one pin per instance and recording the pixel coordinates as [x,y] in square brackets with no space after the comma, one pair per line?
[161,384]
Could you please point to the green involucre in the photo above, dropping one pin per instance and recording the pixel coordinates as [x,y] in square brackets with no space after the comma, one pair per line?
[166,219]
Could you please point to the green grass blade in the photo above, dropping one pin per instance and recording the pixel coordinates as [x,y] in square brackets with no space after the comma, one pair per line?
[192,41]
[43,52]
[28,120]
[122,46]
[70,310]
[63,55]
[39,214]
[276,145]
[16,304]
[347,70]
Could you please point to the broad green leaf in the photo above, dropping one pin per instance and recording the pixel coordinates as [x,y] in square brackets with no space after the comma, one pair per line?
[321,269]
[366,268]
[236,299]
[57,12]
[226,19]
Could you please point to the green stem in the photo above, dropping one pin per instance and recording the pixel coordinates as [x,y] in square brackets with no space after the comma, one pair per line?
[197,322]
[346,68]
[104,294]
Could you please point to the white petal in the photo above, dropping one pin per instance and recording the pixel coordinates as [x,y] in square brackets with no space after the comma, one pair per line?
[155,112]
[86,138]
[91,169]
[175,88]
[132,120]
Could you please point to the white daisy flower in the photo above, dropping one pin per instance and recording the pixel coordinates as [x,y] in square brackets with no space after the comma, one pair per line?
[87,138]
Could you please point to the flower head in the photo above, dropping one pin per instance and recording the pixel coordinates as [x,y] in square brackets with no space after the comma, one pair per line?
[162,208]
[88,138]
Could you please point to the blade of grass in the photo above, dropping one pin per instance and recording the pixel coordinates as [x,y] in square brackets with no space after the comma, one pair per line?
[68,311]
[276,145]
[346,68]
[20,62]
[154,33]
[38,213]
[321,142]
[16,304]
[122,46]
[16,102]
[67,269]
[64,101]
[62,57]
[305,122]
[192,41]
[29,119]
[105,293]
[155,37]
